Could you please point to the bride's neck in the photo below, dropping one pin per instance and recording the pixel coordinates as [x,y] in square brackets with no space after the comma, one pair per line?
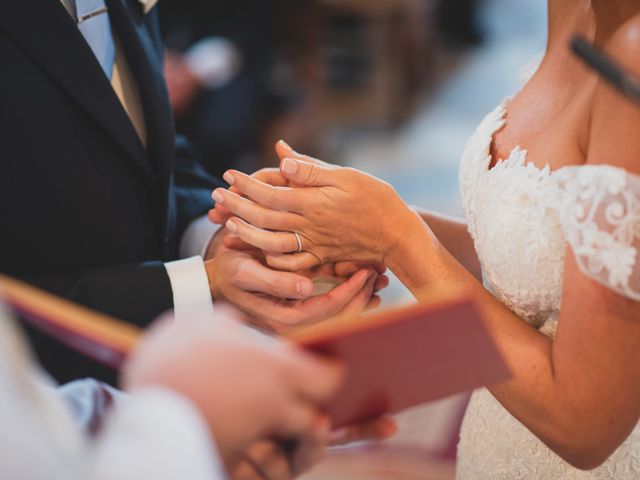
[596,19]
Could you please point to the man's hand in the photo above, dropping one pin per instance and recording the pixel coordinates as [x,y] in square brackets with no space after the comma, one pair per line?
[269,460]
[247,386]
[279,301]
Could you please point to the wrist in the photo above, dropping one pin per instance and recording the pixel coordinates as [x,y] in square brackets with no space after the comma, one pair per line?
[405,226]
[210,267]
[215,243]
[417,256]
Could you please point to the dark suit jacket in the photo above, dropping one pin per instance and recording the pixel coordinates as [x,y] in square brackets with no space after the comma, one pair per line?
[85,210]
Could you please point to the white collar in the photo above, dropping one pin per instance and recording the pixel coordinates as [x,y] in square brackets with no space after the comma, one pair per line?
[147,5]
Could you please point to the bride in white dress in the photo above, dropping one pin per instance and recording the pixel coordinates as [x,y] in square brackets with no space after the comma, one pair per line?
[551,189]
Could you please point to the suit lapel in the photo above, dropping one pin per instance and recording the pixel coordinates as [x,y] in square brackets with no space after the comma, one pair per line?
[145,61]
[144,57]
[47,33]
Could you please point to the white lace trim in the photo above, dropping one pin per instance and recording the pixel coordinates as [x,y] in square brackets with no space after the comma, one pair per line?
[600,214]
[520,211]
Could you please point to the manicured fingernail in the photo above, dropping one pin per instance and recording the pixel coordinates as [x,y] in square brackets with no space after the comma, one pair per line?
[285,145]
[229,178]
[289,166]
[231,226]
[217,197]
[305,289]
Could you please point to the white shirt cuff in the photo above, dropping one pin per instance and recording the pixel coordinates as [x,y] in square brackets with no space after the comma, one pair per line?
[214,61]
[197,237]
[190,286]
[157,434]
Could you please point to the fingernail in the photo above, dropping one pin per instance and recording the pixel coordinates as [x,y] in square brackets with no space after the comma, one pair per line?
[285,145]
[231,226]
[305,289]
[289,166]
[229,178]
[217,197]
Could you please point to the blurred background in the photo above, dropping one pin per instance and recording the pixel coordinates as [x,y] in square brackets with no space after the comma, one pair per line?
[393,87]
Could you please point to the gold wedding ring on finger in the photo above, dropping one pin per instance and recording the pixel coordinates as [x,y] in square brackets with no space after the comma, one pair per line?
[299,240]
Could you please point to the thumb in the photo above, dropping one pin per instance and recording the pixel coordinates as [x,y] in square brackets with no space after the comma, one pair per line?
[283,150]
[308,174]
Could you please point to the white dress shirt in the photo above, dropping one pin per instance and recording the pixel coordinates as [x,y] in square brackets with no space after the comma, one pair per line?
[188,277]
[153,434]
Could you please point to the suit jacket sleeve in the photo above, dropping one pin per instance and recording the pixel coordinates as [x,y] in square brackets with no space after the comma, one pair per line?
[135,293]
[192,187]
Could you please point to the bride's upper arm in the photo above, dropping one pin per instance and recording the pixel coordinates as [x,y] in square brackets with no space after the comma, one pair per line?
[598,333]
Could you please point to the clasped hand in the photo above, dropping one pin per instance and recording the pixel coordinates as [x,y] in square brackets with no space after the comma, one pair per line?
[251,390]
[321,214]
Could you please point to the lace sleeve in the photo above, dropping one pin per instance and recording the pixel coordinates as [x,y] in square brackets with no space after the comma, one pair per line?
[600,215]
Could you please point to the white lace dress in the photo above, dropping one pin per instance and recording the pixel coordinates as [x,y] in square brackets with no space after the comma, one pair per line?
[521,219]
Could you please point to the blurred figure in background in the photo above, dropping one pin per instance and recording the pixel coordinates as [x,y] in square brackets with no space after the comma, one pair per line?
[220,58]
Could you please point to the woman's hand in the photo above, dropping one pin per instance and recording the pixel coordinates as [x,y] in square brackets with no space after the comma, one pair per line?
[271,176]
[338,213]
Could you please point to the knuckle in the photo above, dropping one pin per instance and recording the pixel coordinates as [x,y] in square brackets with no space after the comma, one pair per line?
[313,174]
[260,219]
[241,270]
[271,285]
[270,198]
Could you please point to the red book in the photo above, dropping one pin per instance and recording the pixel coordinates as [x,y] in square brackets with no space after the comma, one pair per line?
[406,357]
[393,360]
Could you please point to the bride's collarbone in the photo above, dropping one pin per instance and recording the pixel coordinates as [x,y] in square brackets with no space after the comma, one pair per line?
[554,135]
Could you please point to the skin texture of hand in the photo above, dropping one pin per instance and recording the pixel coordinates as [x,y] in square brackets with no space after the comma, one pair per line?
[268,460]
[247,386]
[331,209]
[270,176]
[273,177]
[277,301]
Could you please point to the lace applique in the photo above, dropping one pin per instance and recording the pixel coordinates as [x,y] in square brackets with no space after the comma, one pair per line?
[600,215]
[514,216]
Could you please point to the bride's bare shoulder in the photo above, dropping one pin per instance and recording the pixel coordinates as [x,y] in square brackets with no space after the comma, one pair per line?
[625,44]
[614,136]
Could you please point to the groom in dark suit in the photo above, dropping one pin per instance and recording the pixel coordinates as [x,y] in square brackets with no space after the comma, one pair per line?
[98,199]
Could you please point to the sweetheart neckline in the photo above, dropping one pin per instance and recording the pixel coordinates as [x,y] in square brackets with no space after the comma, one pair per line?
[501,122]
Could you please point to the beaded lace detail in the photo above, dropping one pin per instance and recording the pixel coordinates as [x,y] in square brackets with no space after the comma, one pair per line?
[521,218]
